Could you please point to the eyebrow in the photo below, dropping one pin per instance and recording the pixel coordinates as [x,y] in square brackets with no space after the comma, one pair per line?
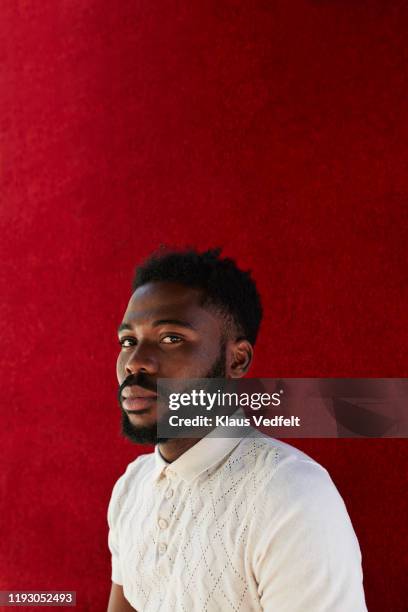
[178,322]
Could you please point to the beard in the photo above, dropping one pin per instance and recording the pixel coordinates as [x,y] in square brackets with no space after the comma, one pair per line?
[148,434]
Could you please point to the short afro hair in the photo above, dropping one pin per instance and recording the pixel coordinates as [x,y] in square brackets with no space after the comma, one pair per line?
[226,288]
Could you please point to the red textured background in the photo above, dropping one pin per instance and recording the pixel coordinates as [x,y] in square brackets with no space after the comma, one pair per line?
[277,129]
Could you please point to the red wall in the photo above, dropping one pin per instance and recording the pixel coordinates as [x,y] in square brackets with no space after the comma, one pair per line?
[277,129]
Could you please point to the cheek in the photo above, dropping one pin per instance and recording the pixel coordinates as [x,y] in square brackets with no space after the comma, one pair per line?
[120,368]
[196,362]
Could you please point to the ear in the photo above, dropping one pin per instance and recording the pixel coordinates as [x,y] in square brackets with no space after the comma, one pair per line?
[239,358]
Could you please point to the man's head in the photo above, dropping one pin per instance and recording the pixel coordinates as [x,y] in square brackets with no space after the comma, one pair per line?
[191,315]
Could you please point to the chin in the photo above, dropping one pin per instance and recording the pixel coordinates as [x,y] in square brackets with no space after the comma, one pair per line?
[139,434]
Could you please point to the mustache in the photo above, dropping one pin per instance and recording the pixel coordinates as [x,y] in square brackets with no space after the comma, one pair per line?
[141,380]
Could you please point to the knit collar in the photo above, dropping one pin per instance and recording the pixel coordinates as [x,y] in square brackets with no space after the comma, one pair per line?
[206,453]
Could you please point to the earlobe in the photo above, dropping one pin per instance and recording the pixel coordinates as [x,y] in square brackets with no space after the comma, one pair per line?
[241,358]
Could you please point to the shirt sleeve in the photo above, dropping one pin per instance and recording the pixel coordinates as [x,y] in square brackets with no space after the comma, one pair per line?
[113,535]
[306,557]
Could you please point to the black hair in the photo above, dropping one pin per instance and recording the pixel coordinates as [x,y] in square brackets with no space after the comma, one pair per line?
[226,288]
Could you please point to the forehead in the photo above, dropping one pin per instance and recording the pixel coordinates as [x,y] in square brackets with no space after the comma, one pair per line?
[166,300]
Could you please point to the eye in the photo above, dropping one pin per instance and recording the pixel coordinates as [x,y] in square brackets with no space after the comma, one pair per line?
[130,341]
[171,339]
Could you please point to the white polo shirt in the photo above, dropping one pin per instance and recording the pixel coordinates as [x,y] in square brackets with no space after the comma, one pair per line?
[244,524]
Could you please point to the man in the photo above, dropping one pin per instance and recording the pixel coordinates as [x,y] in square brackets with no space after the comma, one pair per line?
[215,524]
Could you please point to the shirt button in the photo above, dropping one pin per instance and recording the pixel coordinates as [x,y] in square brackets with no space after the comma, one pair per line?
[169,494]
[163,523]
[162,548]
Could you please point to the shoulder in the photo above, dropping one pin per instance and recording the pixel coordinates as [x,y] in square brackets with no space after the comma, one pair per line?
[268,453]
[301,533]
[127,483]
[295,494]
[285,476]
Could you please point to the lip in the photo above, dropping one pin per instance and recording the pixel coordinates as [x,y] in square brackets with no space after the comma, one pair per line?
[135,399]
[137,404]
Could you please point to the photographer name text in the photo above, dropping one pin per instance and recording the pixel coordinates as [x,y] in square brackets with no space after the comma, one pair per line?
[229,421]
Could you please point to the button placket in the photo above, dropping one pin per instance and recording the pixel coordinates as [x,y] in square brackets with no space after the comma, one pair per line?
[169,494]
[163,520]
[170,490]
[163,524]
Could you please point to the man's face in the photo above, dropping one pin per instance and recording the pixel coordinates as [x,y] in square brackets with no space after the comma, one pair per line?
[165,333]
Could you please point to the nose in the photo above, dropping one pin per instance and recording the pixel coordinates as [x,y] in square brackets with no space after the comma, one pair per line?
[142,359]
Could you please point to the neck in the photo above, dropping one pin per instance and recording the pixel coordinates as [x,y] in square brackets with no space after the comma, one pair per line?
[174,448]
